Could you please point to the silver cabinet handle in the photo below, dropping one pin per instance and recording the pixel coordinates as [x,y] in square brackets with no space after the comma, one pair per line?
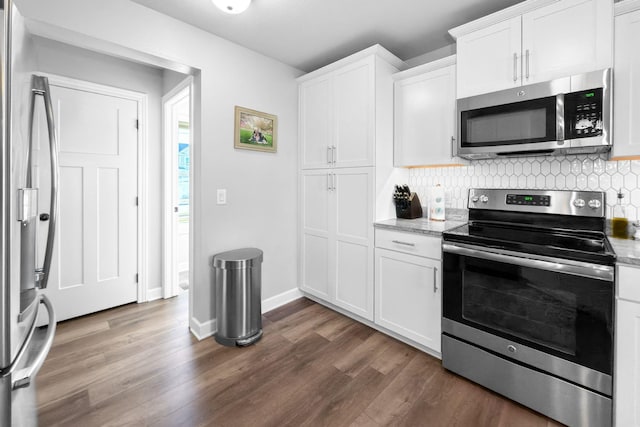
[333,154]
[333,187]
[515,67]
[575,268]
[40,86]
[400,242]
[329,154]
[23,377]
[435,280]
[328,182]
[527,63]
[453,150]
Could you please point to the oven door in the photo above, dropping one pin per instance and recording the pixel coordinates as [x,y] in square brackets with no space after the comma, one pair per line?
[553,315]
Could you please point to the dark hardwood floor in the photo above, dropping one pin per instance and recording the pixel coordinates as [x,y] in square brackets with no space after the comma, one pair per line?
[138,365]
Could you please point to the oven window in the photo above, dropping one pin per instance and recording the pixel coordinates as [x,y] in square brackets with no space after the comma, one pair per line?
[517,123]
[566,315]
[546,315]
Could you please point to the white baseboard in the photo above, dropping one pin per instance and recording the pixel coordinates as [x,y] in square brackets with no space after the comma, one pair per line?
[202,330]
[154,294]
[280,299]
[208,328]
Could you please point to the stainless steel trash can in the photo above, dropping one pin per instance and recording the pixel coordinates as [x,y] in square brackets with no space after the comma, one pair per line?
[238,282]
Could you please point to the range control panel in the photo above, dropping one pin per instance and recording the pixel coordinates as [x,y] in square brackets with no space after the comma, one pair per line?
[561,202]
[528,200]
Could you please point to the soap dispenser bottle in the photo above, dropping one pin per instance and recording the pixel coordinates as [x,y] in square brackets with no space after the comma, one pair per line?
[619,221]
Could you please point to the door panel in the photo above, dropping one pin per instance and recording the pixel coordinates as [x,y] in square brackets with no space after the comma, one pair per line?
[95,259]
[315,123]
[567,37]
[352,244]
[408,296]
[485,59]
[354,113]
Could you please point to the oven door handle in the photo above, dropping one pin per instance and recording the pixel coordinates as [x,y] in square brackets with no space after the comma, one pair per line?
[575,268]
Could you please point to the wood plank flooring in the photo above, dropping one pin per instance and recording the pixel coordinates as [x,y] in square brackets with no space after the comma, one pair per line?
[138,365]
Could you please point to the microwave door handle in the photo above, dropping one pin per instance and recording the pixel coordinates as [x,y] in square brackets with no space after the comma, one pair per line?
[40,86]
[560,124]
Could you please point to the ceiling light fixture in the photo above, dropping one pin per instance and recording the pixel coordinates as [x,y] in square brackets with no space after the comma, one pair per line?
[233,7]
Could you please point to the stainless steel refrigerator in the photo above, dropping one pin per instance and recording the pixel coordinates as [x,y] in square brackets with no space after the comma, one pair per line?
[23,345]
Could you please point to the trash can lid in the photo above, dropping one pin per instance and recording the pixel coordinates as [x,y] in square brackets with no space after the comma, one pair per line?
[238,258]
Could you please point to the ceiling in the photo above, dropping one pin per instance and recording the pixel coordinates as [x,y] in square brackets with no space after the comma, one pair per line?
[308,34]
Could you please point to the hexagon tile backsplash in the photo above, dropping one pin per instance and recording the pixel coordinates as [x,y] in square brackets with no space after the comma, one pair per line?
[592,172]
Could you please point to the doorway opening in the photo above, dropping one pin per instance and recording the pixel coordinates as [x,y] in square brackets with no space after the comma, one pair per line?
[177,140]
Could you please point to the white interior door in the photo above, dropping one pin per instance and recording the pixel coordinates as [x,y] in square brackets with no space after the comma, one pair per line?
[94,263]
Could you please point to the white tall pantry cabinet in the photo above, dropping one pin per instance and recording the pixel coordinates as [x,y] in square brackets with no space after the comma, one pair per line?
[346,151]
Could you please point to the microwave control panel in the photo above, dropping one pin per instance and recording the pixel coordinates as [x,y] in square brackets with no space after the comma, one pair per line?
[583,114]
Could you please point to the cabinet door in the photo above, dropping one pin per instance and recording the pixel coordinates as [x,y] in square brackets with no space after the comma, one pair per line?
[626,132]
[627,366]
[314,221]
[408,296]
[352,243]
[315,129]
[354,114]
[424,118]
[489,59]
[565,38]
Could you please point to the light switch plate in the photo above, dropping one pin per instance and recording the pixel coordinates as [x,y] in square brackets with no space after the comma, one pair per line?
[222,196]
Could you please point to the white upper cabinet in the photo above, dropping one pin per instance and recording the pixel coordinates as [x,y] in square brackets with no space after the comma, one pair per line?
[489,59]
[533,41]
[315,115]
[568,37]
[424,119]
[626,132]
[338,105]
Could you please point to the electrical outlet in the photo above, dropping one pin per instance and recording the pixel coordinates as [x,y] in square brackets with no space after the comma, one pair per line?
[222,196]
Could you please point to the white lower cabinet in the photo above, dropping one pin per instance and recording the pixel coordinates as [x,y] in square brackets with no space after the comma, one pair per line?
[408,286]
[627,351]
[337,237]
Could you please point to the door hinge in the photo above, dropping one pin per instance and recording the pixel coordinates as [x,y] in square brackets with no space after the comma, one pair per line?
[137,124]
[136,200]
[136,277]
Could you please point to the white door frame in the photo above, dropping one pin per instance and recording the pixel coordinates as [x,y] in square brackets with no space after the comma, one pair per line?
[169,261]
[141,99]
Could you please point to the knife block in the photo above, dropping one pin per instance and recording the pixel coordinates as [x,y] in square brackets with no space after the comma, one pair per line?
[411,210]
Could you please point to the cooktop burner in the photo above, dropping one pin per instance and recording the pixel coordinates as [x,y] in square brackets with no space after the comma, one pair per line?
[559,224]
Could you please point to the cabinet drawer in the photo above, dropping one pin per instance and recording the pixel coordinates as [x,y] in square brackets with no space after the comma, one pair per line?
[629,283]
[411,243]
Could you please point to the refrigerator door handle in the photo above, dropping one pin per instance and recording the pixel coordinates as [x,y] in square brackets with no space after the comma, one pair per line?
[40,86]
[22,378]
[23,348]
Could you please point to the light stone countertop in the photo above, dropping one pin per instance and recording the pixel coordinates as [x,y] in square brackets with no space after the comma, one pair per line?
[627,250]
[418,225]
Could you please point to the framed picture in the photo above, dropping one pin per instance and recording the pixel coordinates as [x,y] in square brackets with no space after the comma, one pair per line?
[255,130]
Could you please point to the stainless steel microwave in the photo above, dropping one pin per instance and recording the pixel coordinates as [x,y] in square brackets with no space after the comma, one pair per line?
[571,115]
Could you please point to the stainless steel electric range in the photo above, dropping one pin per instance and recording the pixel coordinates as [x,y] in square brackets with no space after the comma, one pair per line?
[528,300]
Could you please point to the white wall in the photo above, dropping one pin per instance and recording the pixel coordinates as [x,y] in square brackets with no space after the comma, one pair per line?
[69,61]
[261,209]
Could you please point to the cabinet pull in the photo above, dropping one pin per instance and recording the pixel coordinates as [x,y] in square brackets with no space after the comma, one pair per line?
[435,280]
[527,63]
[453,150]
[333,154]
[400,242]
[328,182]
[329,156]
[515,67]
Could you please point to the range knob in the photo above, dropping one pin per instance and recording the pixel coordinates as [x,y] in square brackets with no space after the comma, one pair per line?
[484,199]
[578,203]
[474,199]
[594,204]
